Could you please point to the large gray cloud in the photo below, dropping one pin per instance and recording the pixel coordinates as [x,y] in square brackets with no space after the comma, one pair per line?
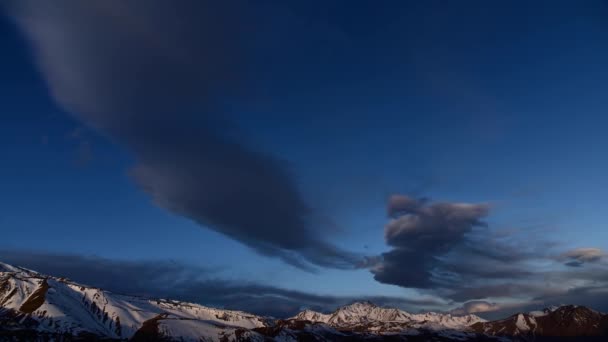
[154,76]
[419,233]
[174,280]
[446,249]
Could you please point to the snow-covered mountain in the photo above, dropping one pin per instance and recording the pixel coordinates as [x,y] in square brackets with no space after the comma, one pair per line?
[32,303]
[367,314]
[312,316]
[35,307]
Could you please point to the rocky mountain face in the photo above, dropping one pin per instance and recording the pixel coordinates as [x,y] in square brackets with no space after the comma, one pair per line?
[35,307]
[567,322]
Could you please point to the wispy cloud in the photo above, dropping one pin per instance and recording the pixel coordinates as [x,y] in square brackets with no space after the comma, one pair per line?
[580,256]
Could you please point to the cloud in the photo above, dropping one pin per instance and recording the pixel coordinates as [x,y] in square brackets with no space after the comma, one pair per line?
[398,204]
[447,248]
[495,310]
[174,280]
[580,256]
[449,251]
[437,226]
[419,235]
[549,289]
[507,289]
[475,307]
[154,77]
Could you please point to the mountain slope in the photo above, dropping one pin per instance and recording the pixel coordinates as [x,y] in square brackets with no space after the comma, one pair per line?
[32,304]
[35,307]
[563,321]
[48,305]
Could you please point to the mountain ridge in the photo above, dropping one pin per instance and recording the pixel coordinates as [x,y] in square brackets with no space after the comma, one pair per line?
[365,312]
[36,307]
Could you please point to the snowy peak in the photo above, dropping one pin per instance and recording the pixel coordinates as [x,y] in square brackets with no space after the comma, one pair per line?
[357,313]
[48,307]
[371,317]
[360,305]
[6,268]
[312,316]
[366,312]
[447,320]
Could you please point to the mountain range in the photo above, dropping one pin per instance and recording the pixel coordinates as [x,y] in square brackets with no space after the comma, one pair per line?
[36,307]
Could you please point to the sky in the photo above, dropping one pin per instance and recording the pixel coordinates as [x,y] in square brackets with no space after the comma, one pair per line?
[271,156]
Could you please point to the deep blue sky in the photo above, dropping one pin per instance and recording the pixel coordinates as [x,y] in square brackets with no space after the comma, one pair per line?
[462,102]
